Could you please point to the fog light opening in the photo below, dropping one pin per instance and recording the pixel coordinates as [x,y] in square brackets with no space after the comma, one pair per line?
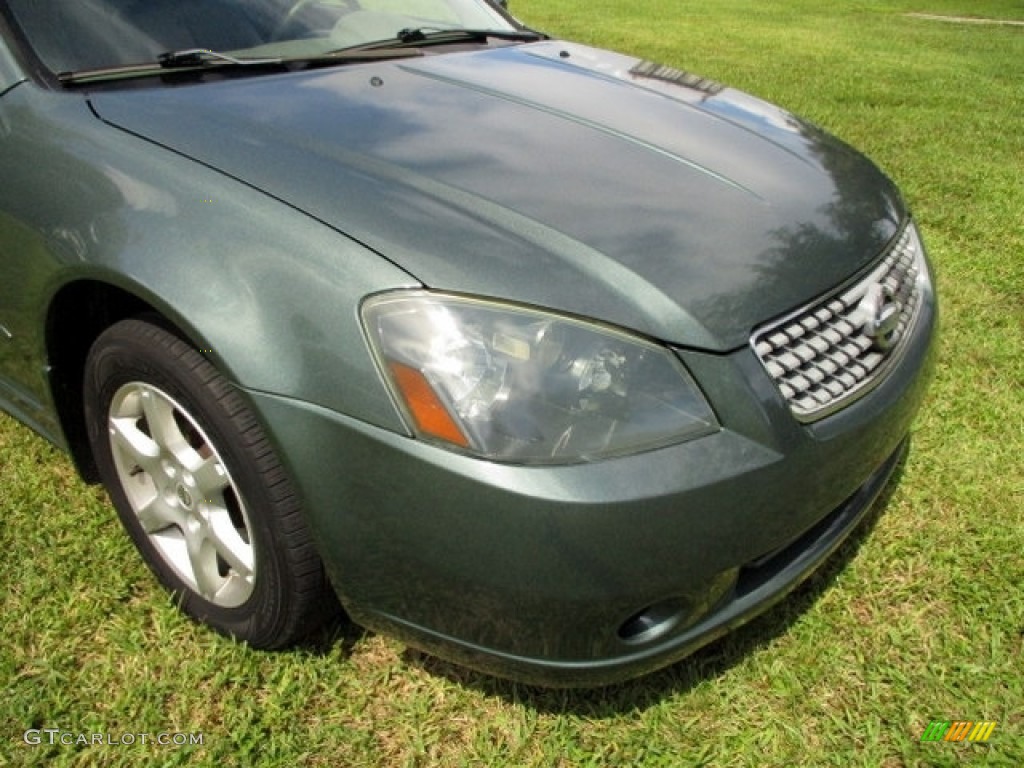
[653,622]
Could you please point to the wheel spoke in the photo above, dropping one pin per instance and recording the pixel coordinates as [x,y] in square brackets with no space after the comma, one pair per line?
[202,558]
[156,515]
[210,477]
[135,444]
[159,414]
[232,548]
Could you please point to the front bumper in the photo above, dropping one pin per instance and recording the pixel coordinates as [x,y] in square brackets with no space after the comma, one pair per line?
[594,573]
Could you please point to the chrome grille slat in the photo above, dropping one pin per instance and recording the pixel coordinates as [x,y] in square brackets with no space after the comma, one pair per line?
[821,357]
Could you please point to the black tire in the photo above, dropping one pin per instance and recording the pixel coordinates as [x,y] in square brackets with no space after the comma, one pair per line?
[199,489]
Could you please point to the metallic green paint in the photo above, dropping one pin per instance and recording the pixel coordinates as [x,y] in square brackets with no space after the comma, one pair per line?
[10,72]
[689,219]
[272,293]
[530,572]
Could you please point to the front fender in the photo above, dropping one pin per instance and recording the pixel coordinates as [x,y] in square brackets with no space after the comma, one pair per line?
[271,294]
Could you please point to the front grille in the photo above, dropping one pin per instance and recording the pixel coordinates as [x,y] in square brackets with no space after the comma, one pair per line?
[827,353]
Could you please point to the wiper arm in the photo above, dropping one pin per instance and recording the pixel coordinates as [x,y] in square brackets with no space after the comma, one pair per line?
[434,34]
[204,57]
[424,36]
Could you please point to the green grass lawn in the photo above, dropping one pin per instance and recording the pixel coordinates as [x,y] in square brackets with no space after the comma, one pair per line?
[919,618]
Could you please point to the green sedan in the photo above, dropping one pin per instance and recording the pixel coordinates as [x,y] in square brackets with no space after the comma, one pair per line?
[545,359]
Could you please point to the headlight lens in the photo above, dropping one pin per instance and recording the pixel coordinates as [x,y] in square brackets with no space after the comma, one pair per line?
[523,386]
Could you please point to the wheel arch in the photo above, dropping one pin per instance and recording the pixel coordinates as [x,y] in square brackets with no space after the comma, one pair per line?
[77,314]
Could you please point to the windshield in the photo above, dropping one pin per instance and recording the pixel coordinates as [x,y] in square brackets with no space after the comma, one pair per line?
[75,35]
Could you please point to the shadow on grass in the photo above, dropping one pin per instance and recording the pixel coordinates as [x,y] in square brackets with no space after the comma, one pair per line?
[707,663]
[338,634]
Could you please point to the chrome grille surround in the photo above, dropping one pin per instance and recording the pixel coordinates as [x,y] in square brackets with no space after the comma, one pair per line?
[827,354]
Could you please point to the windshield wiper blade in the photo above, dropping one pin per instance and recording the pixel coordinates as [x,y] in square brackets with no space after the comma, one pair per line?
[201,59]
[187,60]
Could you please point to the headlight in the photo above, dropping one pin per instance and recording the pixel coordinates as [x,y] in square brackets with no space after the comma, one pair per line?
[519,385]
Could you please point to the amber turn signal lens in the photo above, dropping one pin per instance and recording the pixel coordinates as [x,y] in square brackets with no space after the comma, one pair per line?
[431,416]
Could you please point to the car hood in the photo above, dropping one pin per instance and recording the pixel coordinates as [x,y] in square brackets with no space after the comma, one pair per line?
[551,174]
